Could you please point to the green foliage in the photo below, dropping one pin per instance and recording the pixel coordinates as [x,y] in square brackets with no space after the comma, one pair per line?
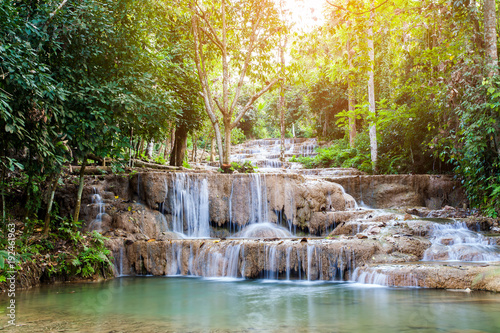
[245,167]
[339,154]
[326,100]
[160,160]
[93,258]
[476,155]
[186,165]
[4,255]
[237,136]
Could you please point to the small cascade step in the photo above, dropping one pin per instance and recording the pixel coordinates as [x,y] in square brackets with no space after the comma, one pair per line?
[465,277]
[308,260]
[455,242]
[266,153]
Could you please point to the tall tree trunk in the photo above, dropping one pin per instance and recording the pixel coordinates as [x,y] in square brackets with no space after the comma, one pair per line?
[204,151]
[130,148]
[281,104]
[53,186]
[350,99]
[149,149]
[80,190]
[212,150]
[165,151]
[478,36]
[172,138]
[160,149]
[195,144]
[371,96]
[179,148]
[282,94]
[490,36]
[325,126]
[227,143]
[140,149]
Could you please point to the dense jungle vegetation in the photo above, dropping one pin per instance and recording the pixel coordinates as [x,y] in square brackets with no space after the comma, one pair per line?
[397,86]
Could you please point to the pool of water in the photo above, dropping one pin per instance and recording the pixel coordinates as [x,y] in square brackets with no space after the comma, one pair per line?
[159,304]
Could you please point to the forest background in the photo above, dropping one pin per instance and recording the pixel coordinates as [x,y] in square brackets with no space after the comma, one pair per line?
[397,86]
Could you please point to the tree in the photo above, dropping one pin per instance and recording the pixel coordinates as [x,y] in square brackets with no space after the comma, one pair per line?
[371,79]
[490,35]
[240,34]
[371,95]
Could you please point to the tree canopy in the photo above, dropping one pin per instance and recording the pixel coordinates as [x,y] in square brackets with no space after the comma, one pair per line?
[98,80]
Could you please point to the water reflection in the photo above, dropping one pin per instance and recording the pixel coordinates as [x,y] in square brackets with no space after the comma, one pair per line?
[194,304]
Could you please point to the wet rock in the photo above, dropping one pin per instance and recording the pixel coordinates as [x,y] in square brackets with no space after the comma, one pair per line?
[473,277]
[250,196]
[324,260]
[145,222]
[395,191]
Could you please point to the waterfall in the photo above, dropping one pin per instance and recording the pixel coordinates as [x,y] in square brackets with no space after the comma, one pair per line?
[384,276]
[96,223]
[455,242]
[279,260]
[118,256]
[189,205]
[258,199]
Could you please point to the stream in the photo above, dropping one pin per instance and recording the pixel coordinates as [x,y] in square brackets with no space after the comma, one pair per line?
[154,304]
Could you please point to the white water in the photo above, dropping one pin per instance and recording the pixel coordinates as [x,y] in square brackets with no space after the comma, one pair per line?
[96,223]
[263,229]
[281,261]
[189,204]
[259,211]
[383,277]
[455,242]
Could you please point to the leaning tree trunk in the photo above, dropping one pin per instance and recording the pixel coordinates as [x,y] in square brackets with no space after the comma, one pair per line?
[53,186]
[490,36]
[80,191]
[352,115]
[179,147]
[371,97]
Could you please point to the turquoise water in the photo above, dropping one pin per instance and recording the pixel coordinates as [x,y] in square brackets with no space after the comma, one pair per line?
[160,304]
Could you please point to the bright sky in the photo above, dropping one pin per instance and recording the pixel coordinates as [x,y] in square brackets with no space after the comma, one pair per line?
[306,13]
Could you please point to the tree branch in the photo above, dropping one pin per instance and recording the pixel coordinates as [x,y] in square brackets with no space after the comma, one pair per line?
[356,13]
[51,15]
[245,64]
[242,112]
[216,38]
[218,105]
[210,36]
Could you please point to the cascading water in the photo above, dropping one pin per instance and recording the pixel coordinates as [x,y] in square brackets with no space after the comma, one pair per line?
[455,242]
[258,199]
[263,230]
[189,205]
[384,276]
[280,260]
[96,223]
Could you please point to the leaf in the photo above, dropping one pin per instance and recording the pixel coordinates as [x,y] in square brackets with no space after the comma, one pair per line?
[9,128]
